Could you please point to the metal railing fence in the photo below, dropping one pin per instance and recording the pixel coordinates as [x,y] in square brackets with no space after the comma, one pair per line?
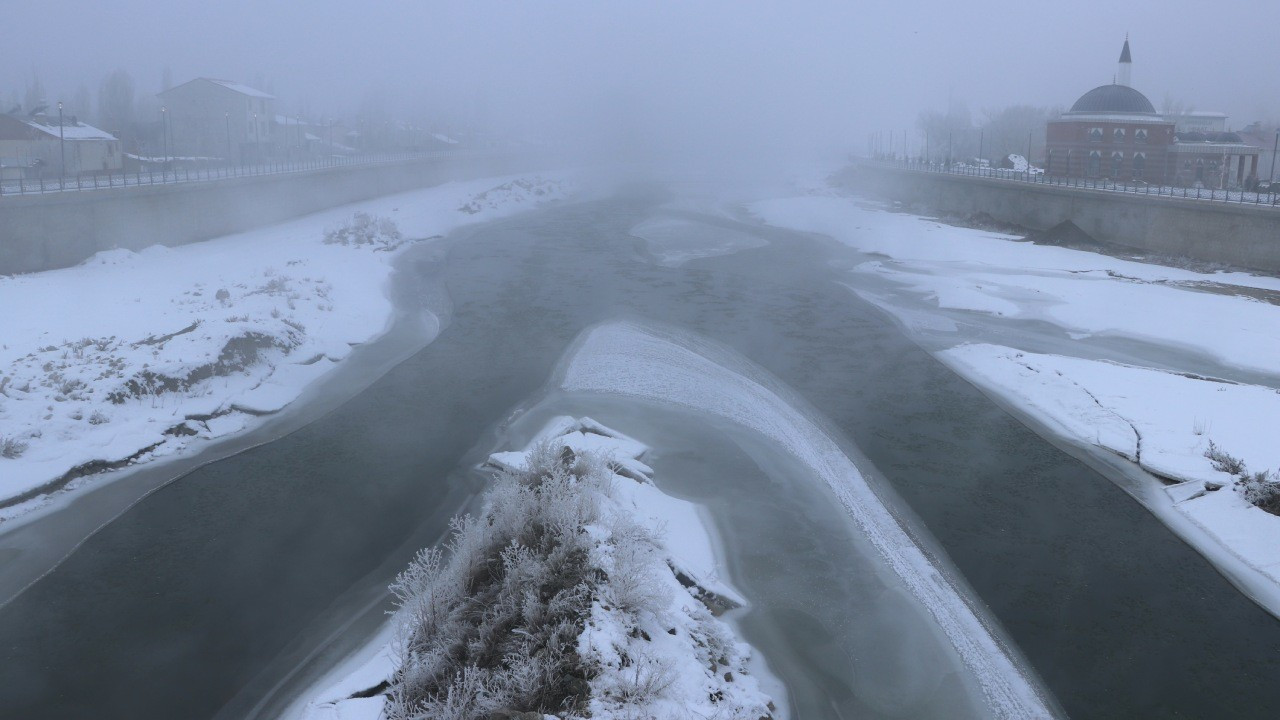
[1236,196]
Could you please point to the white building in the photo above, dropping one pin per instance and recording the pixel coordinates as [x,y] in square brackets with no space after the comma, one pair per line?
[208,118]
[34,146]
[1202,121]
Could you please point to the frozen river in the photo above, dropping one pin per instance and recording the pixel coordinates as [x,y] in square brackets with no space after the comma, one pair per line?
[227,587]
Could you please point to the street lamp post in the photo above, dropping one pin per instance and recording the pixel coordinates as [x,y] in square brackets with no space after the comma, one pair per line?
[164,135]
[62,146]
[1029,132]
[1275,146]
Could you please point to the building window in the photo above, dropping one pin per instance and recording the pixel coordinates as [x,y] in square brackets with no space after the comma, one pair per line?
[1139,165]
[1095,164]
[1117,163]
[1095,134]
[1140,136]
[1118,135]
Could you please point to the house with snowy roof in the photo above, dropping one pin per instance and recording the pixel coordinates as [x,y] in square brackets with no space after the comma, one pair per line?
[33,146]
[222,119]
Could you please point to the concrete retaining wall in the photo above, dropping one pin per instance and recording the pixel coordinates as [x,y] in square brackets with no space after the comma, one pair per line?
[42,232]
[1241,235]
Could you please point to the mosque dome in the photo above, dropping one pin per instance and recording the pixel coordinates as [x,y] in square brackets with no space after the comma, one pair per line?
[1120,99]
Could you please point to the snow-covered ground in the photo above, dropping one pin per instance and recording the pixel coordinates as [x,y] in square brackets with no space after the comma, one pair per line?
[130,357]
[1145,361]
[686,659]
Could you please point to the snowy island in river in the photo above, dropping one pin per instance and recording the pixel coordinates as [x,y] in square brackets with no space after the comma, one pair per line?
[597,596]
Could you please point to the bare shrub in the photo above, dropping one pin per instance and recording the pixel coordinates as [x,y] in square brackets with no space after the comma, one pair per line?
[365,229]
[1224,461]
[645,681]
[12,448]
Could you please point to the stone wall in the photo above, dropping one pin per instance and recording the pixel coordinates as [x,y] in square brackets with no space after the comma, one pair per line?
[1245,235]
[43,232]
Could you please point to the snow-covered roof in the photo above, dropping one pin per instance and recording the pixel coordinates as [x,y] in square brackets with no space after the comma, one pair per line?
[242,89]
[71,130]
[228,84]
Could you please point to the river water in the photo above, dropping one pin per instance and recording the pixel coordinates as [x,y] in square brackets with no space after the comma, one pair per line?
[211,592]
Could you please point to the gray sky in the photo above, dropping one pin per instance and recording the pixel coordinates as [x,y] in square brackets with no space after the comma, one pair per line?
[769,75]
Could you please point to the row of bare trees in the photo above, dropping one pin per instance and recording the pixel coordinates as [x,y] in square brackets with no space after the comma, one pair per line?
[953,135]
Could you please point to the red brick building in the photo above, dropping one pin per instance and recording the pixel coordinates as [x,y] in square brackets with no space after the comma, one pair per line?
[1113,131]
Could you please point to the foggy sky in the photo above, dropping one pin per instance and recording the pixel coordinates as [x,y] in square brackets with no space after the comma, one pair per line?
[741,76]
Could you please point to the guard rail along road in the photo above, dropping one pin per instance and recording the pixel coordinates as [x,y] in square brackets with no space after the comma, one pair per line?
[1235,228]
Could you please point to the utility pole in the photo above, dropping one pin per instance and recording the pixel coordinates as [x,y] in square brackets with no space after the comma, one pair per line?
[981,137]
[62,144]
[228,118]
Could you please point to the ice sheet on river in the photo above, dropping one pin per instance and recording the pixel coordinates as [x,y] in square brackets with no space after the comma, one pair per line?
[667,366]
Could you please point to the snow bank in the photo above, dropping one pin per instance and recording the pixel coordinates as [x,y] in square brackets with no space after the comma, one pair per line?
[670,657]
[1161,420]
[1085,293]
[135,356]
[630,360]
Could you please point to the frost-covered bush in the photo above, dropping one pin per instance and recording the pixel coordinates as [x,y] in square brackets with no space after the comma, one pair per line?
[365,229]
[1261,489]
[492,623]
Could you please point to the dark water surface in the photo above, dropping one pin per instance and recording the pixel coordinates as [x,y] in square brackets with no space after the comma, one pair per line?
[208,586]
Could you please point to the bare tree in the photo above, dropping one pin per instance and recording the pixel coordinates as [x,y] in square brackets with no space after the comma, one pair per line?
[1009,131]
[115,102]
[1173,107]
[34,99]
[948,135]
[81,105]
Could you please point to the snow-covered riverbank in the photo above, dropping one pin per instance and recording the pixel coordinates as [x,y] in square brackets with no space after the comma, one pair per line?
[1151,363]
[649,636]
[132,357]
